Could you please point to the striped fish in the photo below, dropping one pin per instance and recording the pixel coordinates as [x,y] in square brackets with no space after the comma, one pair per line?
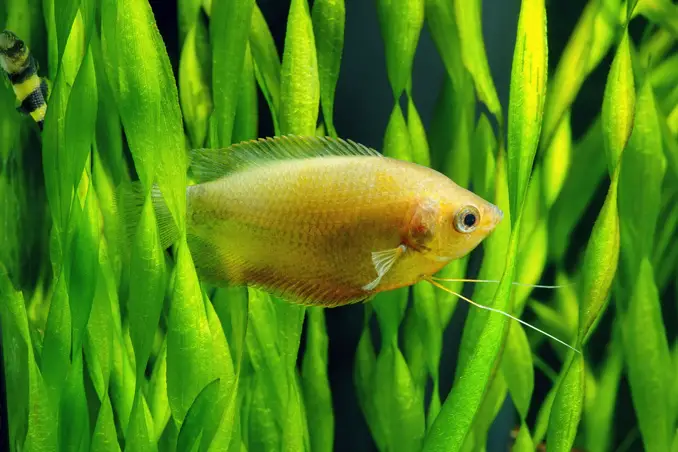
[21,68]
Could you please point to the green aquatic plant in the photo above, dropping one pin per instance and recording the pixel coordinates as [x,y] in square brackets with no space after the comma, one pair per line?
[110,342]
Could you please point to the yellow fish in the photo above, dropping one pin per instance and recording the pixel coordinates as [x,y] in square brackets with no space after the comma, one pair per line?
[321,221]
[22,70]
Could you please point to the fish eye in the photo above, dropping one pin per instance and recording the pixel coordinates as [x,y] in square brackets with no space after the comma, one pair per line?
[467,219]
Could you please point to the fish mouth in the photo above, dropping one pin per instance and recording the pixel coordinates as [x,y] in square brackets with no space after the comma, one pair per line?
[497,215]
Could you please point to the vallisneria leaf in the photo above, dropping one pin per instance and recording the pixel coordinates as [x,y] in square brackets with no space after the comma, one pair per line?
[589,42]
[483,162]
[526,106]
[400,22]
[230,23]
[147,99]
[105,438]
[642,171]
[662,12]
[648,359]
[600,263]
[492,267]
[417,133]
[219,422]
[329,17]
[73,416]
[247,114]
[36,429]
[139,437]
[147,286]
[587,168]
[441,21]
[98,344]
[619,103]
[473,53]
[158,401]
[187,15]
[397,400]
[57,340]
[557,161]
[414,351]
[486,332]
[299,82]
[192,428]
[316,385]
[195,81]
[189,342]
[266,64]
[294,429]
[364,377]
[397,142]
[263,431]
[567,406]
[390,309]
[516,366]
[84,257]
[467,394]
[598,420]
[123,381]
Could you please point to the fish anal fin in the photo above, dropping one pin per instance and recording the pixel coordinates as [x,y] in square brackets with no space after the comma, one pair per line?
[211,164]
[383,262]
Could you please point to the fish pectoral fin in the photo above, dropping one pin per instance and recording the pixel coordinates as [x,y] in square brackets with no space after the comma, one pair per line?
[383,262]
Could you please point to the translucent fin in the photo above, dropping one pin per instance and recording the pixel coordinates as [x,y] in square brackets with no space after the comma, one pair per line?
[211,164]
[383,262]
[130,201]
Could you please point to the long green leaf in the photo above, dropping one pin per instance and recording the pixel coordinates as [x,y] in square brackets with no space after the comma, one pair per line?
[229,28]
[140,430]
[299,82]
[618,104]
[476,368]
[105,438]
[400,22]
[526,106]
[266,64]
[147,286]
[567,406]
[474,56]
[189,343]
[316,385]
[146,95]
[329,17]
[648,361]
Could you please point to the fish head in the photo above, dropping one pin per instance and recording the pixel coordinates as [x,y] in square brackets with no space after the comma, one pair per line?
[464,220]
[12,51]
[10,43]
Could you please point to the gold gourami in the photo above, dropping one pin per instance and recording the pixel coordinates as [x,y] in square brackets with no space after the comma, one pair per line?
[320,221]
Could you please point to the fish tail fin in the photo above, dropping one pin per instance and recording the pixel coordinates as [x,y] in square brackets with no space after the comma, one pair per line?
[130,199]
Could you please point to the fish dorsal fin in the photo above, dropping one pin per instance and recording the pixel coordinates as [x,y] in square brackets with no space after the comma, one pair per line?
[211,164]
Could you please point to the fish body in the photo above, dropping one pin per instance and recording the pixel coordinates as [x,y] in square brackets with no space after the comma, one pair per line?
[332,224]
[21,68]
